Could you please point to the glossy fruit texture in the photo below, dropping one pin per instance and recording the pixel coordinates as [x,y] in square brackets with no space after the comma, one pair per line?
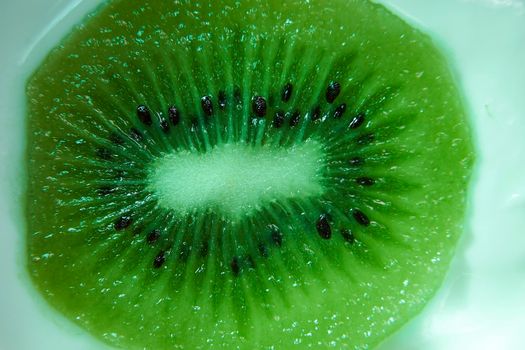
[244,174]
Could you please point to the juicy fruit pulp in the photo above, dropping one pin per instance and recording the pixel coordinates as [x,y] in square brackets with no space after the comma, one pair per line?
[348,146]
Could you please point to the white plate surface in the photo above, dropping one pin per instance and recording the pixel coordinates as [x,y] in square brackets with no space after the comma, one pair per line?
[481,305]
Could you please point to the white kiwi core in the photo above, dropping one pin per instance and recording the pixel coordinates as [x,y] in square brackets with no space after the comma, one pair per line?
[237,178]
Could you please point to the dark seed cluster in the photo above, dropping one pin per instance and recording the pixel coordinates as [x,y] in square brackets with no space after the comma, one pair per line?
[106,190]
[174,115]
[207,105]
[365,181]
[144,115]
[295,118]
[339,111]
[348,236]
[164,125]
[287,92]
[153,236]
[238,264]
[323,227]
[332,91]
[263,250]
[357,121]
[278,119]
[360,217]
[259,106]
[274,237]
[123,222]
[235,266]
[316,113]
[159,260]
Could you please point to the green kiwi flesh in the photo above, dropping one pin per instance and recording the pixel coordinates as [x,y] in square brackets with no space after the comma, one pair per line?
[244,174]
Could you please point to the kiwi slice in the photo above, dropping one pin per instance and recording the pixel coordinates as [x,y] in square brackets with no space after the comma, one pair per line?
[244,174]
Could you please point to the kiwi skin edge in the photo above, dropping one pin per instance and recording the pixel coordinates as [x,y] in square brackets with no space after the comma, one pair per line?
[343,260]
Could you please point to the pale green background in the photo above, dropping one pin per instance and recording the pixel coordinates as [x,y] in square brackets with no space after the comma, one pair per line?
[482,304]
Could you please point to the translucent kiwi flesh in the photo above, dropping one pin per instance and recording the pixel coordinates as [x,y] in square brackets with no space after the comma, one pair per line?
[250,174]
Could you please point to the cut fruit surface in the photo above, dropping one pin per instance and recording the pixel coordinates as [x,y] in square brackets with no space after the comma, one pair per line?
[236,179]
[255,174]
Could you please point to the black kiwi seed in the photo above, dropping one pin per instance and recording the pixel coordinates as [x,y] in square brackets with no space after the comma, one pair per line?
[123,222]
[348,236]
[103,153]
[365,181]
[136,135]
[160,259]
[207,105]
[222,100]
[164,125]
[263,250]
[316,113]
[357,121]
[153,236]
[174,115]
[295,118]
[323,227]
[287,92]
[356,161]
[360,217]
[339,111]
[276,235]
[144,115]
[332,91]
[234,265]
[278,119]
[259,106]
